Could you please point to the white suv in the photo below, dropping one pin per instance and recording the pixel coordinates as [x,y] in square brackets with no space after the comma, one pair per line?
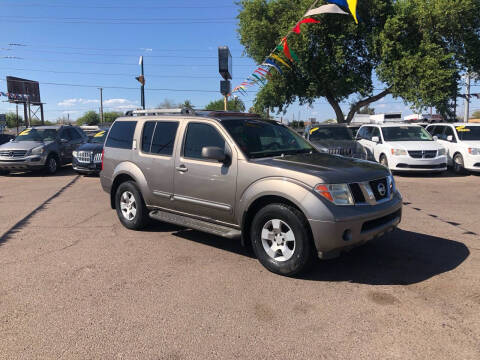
[402,147]
[462,142]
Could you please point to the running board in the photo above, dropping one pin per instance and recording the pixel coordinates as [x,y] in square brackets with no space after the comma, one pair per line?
[196,224]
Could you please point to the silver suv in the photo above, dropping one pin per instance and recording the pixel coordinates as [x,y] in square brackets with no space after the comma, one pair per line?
[238,176]
[41,148]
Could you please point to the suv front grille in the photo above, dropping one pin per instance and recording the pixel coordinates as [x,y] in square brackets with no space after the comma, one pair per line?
[371,192]
[340,151]
[380,189]
[84,157]
[425,154]
[357,193]
[13,153]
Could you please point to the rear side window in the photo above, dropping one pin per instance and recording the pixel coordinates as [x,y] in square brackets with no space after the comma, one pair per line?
[200,136]
[121,135]
[159,137]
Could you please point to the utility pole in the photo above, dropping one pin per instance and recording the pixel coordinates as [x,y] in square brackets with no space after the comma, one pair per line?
[101,105]
[467,98]
[142,95]
[17,118]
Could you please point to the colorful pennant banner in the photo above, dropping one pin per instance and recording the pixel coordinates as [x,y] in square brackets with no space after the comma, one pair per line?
[275,60]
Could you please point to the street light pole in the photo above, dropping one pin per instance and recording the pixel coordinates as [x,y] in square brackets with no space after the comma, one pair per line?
[101,105]
[142,95]
[467,99]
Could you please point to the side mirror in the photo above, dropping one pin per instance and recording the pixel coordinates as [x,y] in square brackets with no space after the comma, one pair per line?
[214,153]
[376,139]
[450,138]
[435,138]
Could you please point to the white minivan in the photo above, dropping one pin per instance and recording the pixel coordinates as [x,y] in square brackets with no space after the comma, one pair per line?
[462,142]
[403,147]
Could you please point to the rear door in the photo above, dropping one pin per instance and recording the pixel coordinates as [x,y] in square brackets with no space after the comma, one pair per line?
[156,160]
[202,187]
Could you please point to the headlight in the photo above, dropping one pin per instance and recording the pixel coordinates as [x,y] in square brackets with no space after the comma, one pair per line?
[474,151]
[442,152]
[74,153]
[399,152]
[391,184]
[38,150]
[339,194]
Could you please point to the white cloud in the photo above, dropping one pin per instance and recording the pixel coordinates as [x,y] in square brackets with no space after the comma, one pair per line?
[120,104]
[79,101]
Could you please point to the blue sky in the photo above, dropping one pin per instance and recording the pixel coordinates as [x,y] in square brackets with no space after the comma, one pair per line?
[88,44]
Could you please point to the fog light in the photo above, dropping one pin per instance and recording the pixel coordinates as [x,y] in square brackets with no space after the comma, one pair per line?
[347,235]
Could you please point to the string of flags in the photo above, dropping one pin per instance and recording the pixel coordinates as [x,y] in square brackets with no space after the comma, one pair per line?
[12,96]
[283,55]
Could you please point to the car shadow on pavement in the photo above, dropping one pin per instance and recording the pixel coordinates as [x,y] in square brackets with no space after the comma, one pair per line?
[66,170]
[400,258]
[446,174]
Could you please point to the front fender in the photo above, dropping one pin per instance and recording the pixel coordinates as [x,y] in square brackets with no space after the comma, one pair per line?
[292,190]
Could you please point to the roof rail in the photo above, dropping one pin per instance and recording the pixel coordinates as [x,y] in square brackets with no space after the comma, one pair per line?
[153,112]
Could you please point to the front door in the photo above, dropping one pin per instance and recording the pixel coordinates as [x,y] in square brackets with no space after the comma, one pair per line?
[204,187]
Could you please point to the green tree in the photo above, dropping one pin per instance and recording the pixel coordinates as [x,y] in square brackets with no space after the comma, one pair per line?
[187,104]
[476,115]
[12,120]
[89,118]
[416,48]
[168,104]
[366,110]
[111,116]
[235,104]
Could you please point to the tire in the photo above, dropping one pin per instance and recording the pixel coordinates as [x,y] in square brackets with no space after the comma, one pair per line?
[458,164]
[52,164]
[292,250]
[383,161]
[131,209]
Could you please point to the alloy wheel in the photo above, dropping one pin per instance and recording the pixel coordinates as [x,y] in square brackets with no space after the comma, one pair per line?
[128,205]
[278,240]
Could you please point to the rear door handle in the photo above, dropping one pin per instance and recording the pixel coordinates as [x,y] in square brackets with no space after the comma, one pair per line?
[182,168]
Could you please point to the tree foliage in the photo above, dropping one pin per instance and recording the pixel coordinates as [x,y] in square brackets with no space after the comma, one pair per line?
[89,118]
[12,120]
[235,104]
[476,115]
[111,116]
[417,48]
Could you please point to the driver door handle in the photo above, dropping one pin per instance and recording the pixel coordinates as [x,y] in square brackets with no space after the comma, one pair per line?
[182,168]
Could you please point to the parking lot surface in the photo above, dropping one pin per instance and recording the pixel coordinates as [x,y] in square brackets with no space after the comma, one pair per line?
[75,284]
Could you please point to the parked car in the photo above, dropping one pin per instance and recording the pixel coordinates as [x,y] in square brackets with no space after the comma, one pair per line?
[354,129]
[337,140]
[41,148]
[4,138]
[238,176]
[87,158]
[403,147]
[462,142]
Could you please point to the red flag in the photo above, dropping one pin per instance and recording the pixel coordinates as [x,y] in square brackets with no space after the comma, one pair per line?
[286,49]
[297,29]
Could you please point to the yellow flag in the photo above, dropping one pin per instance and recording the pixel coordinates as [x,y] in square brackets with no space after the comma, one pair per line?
[352,5]
[280,60]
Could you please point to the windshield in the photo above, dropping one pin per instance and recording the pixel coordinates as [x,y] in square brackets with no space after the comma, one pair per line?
[466,133]
[259,138]
[406,133]
[98,138]
[330,133]
[37,135]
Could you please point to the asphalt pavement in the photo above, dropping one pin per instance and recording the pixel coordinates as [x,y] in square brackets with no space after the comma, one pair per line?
[75,284]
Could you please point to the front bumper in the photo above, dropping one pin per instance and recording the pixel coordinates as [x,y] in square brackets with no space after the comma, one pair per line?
[472,162]
[363,223]
[33,162]
[86,168]
[407,163]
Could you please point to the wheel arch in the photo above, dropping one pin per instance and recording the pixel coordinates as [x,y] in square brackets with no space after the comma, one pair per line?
[128,172]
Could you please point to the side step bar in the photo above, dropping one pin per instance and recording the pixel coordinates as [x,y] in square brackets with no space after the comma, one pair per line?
[196,224]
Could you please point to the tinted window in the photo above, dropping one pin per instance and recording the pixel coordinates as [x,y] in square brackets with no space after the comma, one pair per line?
[330,133]
[365,133]
[121,135]
[33,134]
[406,133]
[199,136]
[164,138]
[74,134]
[466,132]
[65,134]
[448,132]
[376,132]
[147,135]
[436,131]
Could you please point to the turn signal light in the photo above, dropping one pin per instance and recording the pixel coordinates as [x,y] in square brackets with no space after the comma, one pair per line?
[103,153]
[323,190]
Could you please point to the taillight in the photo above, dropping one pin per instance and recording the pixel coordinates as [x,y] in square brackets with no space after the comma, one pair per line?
[103,154]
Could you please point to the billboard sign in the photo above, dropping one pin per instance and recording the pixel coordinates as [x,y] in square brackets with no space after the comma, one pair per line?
[23,90]
[225,62]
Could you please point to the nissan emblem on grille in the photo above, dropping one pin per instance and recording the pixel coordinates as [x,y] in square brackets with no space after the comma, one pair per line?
[382,190]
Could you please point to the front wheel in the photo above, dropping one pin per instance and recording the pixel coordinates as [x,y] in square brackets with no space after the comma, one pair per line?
[131,209]
[51,165]
[281,240]
[458,164]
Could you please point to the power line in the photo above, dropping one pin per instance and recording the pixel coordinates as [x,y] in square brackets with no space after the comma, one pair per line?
[19,4]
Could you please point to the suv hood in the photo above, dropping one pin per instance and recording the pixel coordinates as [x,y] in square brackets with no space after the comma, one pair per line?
[415,145]
[22,145]
[330,168]
[91,147]
[352,145]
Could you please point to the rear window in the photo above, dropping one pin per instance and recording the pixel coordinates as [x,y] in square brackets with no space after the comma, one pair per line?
[121,135]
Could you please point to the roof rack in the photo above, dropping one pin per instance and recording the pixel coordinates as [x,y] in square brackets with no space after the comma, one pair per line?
[154,112]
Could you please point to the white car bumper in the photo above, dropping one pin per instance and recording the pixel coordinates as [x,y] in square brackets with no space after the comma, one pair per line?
[407,163]
[472,162]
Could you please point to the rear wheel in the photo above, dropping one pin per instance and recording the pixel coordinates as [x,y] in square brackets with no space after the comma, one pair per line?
[458,164]
[281,240]
[131,209]
[383,160]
